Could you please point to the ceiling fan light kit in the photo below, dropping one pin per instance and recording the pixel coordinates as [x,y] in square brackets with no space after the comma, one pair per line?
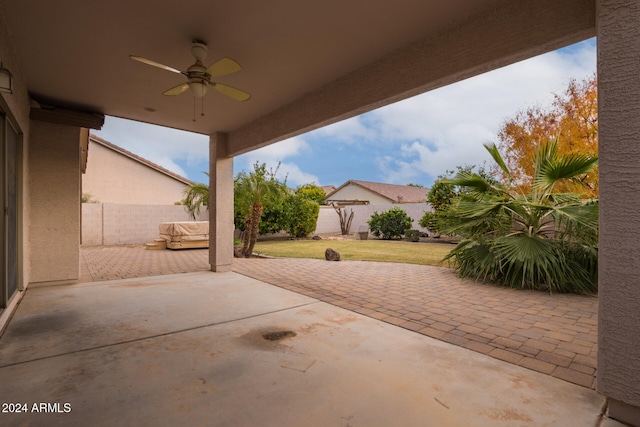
[198,87]
[199,77]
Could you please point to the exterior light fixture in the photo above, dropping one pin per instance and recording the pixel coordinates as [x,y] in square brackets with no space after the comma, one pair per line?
[6,80]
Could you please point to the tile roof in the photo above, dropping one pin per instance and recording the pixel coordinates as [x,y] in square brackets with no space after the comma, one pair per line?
[395,193]
[139,159]
[328,189]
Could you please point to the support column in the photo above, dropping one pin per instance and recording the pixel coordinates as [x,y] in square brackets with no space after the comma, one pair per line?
[619,257]
[220,204]
[54,202]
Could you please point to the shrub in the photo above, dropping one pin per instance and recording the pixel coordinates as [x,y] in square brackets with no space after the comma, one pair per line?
[88,198]
[312,192]
[391,224]
[430,221]
[301,215]
[441,195]
[273,219]
[412,235]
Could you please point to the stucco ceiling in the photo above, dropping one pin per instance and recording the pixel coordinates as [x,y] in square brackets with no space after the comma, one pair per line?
[76,53]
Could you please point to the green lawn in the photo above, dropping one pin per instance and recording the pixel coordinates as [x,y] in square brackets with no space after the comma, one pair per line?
[360,250]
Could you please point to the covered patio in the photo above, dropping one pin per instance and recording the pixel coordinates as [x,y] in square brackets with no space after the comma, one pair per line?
[222,349]
[306,65]
[552,334]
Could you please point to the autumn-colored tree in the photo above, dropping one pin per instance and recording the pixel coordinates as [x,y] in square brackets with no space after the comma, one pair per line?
[572,119]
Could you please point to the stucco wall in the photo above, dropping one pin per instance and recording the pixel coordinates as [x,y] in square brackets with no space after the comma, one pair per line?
[619,149]
[120,224]
[18,101]
[114,178]
[16,107]
[355,192]
[54,178]
[328,221]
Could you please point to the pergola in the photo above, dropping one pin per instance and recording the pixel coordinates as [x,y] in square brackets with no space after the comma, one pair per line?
[306,64]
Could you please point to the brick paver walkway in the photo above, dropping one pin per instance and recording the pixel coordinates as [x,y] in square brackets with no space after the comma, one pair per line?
[552,334]
[99,263]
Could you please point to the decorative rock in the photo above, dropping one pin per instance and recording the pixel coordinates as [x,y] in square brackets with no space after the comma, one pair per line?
[331,255]
[316,237]
[237,251]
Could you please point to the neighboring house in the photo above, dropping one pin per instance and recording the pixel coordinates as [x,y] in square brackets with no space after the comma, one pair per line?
[328,189]
[115,175]
[355,192]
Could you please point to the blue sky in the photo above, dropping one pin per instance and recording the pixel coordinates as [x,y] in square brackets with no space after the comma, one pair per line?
[414,140]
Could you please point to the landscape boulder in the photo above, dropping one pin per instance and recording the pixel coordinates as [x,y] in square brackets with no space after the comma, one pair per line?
[331,255]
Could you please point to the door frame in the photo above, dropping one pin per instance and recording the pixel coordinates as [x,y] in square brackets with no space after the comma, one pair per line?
[6,126]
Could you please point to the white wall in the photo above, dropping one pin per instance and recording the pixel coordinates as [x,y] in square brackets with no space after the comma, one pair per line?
[328,221]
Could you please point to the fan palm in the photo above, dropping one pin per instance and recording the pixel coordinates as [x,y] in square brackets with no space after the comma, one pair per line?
[540,240]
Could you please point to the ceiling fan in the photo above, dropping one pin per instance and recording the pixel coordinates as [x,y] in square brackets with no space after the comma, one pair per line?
[199,77]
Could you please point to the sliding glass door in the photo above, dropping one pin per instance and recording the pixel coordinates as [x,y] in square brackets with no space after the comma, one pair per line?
[9,199]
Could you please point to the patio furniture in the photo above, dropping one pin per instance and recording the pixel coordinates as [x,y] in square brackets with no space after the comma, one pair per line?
[185,235]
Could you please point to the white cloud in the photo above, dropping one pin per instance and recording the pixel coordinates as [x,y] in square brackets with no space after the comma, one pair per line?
[295,176]
[159,144]
[350,131]
[436,131]
[275,154]
[278,152]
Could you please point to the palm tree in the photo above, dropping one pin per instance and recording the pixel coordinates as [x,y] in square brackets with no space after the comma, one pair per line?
[252,191]
[540,240]
[196,196]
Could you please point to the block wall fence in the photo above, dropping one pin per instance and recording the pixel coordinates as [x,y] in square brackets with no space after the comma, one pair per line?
[328,221]
[116,224]
[105,224]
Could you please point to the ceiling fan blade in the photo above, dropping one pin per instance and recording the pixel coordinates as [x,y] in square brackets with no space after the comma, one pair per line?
[231,92]
[155,64]
[222,67]
[176,90]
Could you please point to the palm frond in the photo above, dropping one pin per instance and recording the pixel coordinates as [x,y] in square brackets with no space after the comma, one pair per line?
[474,184]
[497,157]
[473,259]
[196,197]
[552,168]
[526,259]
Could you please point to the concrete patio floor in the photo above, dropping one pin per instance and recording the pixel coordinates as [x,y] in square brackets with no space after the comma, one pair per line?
[551,334]
[188,349]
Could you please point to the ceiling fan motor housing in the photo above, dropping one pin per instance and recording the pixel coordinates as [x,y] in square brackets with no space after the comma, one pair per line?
[199,79]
